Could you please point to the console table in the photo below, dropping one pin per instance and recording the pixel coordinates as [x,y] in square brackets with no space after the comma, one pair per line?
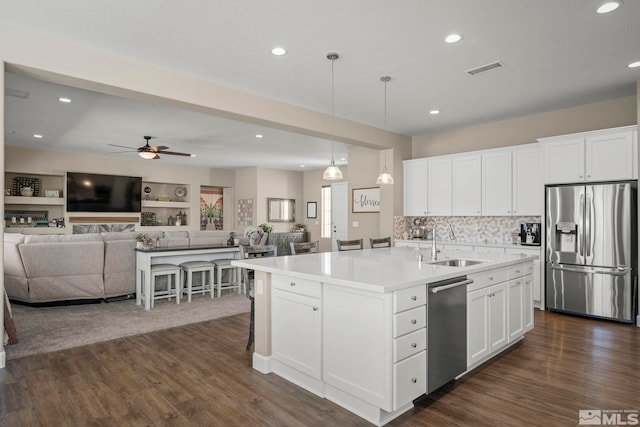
[145,257]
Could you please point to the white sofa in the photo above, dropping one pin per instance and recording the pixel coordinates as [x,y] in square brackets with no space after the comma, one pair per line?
[46,268]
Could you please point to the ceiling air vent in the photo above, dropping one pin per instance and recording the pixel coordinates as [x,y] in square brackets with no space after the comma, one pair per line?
[485,68]
[16,93]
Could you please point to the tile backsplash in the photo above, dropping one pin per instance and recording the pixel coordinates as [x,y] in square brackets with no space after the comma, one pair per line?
[484,229]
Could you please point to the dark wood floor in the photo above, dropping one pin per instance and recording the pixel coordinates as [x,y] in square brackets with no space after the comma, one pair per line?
[200,375]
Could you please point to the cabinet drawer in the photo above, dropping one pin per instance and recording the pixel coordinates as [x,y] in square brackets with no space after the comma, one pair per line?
[516,270]
[309,288]
[409,321]
[409,344]
[528,268]
[487,278]
[409,379]
[409,298]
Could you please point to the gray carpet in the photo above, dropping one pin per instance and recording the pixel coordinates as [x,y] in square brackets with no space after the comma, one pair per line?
[46,329]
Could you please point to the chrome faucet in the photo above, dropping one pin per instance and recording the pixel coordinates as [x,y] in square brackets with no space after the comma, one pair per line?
[434,251]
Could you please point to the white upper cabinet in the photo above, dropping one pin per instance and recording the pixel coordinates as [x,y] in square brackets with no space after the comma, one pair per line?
[606,155]
[496,183]
[609,156]
[467,185]
[439,176]
[415,187]
[527,187]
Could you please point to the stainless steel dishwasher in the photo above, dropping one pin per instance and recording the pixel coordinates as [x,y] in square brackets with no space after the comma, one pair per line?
[446,330]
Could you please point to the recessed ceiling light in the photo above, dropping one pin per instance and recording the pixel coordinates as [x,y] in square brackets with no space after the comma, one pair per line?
[634,64]
[342,159]
[453,38]
[434,112]
[259,135]
[193,155]
[278,51]
[65,100]
[609,6]
[35,135]
[301,166]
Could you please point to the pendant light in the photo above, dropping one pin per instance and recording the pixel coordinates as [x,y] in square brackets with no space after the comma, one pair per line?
[332,172]
[385,177]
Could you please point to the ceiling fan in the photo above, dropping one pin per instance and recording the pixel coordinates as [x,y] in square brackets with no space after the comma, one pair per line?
[150,152]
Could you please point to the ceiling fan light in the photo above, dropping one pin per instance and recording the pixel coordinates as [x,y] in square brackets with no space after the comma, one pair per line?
[332,172]
[147,155]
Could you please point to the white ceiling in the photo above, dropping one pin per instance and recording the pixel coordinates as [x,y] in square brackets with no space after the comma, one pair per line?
[557,54]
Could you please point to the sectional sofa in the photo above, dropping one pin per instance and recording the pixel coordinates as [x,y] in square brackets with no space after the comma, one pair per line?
[46,268]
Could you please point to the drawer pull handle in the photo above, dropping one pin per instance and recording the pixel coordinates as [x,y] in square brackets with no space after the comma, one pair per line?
[315,308]
[414,345]
[413,298]
[414,380]
[414,321]
[292,283]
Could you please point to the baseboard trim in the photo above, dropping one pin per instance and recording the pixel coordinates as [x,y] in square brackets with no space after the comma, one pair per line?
[262,363]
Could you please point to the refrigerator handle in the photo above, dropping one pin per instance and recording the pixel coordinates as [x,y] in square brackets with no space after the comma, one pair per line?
[587,241]
[581,237]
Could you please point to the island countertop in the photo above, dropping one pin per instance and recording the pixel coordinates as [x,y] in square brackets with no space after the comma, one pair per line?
[378,270]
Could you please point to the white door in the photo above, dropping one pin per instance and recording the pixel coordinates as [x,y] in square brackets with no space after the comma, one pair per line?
[339,212]
[609,157]
[467,185]
[528,190]
[415,187]
[439,187]
[563,160]
[496,184]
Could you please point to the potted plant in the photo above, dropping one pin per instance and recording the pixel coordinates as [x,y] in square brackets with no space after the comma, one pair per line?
[142,240]
[298,227]
[266,228]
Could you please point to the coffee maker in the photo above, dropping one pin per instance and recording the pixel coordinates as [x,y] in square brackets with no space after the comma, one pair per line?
[530,234]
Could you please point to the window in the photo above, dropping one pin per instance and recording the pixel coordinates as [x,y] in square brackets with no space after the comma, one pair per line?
[325,215]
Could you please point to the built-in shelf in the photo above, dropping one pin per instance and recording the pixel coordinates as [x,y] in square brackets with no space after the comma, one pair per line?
[158,204]
[23,200]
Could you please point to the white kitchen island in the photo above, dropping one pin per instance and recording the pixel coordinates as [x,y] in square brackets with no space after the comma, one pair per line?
[352,326]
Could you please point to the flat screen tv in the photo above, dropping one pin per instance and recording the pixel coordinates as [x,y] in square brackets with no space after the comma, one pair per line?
[88,192]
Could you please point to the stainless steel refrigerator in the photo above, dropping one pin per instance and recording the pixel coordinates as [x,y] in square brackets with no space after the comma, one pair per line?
[591,250]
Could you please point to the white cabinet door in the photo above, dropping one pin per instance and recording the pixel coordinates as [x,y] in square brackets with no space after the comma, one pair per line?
[296,332]
[477,326]
[439,187]
[528,190]
[497,316]
[609,156]
[358,344]
[563,160]
[415,187]
[527,303]
[496,183]
[467,185]
[515,306]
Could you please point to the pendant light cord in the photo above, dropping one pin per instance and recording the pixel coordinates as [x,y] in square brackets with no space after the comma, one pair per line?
[333,130]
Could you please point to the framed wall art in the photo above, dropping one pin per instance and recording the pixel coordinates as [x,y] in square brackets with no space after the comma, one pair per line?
[366,200]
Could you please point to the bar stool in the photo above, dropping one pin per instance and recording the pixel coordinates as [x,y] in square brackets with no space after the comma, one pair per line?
[205,269]
[234,276]
[173,288]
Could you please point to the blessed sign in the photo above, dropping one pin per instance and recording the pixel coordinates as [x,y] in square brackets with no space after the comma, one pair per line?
[366,200]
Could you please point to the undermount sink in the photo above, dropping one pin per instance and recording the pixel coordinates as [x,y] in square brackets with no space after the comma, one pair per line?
[457,262]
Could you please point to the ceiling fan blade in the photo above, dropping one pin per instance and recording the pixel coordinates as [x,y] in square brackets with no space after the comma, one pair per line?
[155,158]
[123,146]
[120,152]
[159,147]
[174,153]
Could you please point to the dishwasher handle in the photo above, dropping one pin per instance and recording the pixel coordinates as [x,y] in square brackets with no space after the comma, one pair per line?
[437,289]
